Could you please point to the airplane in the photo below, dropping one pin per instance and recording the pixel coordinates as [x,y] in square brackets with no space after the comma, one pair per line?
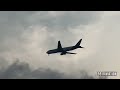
[64,51]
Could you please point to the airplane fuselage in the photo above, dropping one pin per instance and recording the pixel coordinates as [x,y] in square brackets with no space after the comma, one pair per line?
[65,49]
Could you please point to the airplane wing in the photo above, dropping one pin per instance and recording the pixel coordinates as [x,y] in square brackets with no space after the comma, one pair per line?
[61,49]
[70,53]
[64,52]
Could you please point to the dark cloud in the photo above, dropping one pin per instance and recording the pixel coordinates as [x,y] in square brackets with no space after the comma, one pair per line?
[22,70]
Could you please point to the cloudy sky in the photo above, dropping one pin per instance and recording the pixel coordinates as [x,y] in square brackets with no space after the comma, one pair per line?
[27,35]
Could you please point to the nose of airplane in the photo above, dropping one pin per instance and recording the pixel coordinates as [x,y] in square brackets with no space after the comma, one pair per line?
[47,52]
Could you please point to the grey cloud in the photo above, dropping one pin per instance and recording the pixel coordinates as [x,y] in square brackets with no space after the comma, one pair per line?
[3,63]
[22,70]
[14,24]
[66,20]
[12,19]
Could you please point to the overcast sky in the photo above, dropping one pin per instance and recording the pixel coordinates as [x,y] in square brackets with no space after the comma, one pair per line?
[26,36]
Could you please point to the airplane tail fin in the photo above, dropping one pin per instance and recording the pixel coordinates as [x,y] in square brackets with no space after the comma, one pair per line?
[78,44]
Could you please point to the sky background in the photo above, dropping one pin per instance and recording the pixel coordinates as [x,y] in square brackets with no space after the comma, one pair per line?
[25,36]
